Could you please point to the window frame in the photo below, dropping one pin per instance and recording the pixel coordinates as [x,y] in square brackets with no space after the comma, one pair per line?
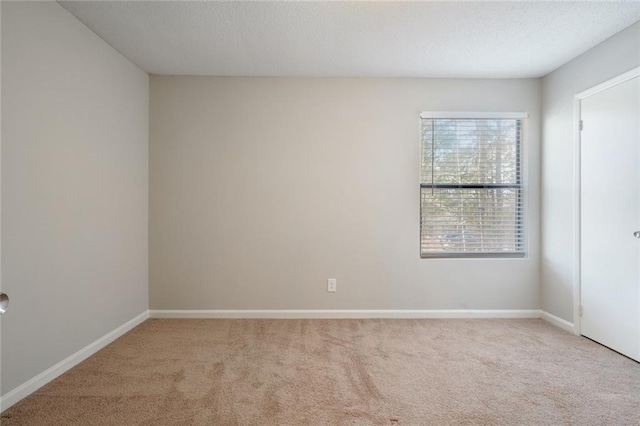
[519,186]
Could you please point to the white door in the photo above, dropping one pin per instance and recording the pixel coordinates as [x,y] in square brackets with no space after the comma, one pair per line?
[610,214]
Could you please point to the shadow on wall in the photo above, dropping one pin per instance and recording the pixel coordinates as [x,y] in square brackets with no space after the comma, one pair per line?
[561,299]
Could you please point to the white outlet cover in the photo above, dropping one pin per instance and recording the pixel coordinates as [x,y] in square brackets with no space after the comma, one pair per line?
[332,285]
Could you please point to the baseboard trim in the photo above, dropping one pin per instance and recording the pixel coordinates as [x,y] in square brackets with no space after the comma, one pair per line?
[558,322]
[31,385]
[344,313]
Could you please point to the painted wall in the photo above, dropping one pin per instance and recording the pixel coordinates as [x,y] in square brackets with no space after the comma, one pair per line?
[74,188]
[262,188]
[613,57]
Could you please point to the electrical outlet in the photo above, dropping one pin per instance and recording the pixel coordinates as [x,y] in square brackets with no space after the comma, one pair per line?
[332,285]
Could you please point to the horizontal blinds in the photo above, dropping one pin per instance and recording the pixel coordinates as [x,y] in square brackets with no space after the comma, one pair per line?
[471,187]
[470,151]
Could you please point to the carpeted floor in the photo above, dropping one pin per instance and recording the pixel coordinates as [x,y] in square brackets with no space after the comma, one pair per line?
[342,372]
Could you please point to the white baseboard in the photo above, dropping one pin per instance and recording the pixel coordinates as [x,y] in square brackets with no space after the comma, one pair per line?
[345,313]
[559,322]
[31,385]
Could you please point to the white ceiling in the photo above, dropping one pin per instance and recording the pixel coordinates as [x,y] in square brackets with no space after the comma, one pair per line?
[354,39]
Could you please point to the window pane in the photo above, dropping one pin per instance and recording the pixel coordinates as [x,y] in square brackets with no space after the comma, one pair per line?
[470,151]
[471,221]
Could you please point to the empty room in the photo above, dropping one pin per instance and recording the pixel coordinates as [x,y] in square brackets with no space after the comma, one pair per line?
[320,213]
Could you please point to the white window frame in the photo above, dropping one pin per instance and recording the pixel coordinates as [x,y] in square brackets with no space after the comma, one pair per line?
[523,181]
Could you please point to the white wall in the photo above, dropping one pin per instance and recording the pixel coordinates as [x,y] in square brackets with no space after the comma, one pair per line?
[262,188]
[74,188]
[613,57]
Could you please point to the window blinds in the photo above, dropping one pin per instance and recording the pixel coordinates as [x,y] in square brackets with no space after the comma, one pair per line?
[471,193]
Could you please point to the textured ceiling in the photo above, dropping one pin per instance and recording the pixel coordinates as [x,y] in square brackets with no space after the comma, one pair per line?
[354,39]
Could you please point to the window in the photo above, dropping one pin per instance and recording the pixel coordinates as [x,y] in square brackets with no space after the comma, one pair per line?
[471,192]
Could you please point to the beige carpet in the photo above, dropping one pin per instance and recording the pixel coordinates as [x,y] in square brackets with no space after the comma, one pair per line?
[342,372]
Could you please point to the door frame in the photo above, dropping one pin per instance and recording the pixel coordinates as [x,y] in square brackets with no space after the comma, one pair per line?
[577,164]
